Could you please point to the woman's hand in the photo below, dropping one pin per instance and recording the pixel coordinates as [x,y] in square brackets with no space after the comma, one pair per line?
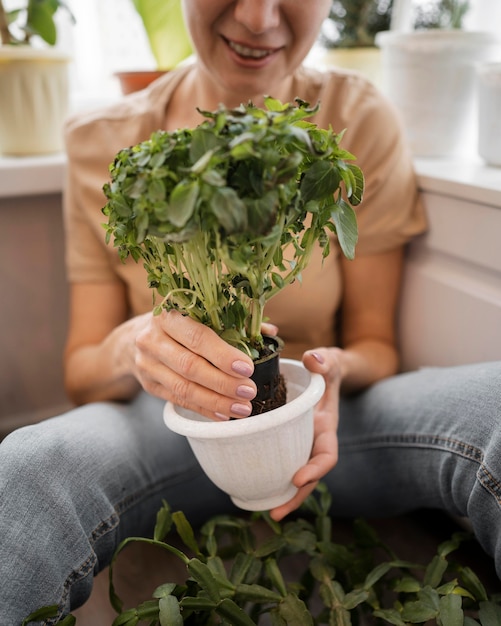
[324,453]
[183,361]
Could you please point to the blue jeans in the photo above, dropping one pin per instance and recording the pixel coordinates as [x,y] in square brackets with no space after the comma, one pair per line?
[72,487]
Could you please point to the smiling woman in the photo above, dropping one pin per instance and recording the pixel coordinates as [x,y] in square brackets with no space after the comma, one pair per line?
[123,363]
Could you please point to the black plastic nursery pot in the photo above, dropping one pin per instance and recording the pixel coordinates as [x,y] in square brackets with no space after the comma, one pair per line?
[271,386]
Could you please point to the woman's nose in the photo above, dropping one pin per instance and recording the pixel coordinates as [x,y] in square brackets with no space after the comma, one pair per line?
[258,16]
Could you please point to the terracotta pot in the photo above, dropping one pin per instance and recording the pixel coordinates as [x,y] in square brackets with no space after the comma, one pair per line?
[135,81]
[254,459]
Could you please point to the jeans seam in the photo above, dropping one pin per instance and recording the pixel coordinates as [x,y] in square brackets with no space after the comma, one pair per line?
[103,528]
[419,440]
[488,482]
[468,451]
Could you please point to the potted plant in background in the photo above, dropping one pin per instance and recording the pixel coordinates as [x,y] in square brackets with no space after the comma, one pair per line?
[223,217]
[167,37]
[429,73]
[34,94]
[348,35]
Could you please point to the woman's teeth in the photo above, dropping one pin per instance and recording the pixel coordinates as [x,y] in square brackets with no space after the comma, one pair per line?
[244,51]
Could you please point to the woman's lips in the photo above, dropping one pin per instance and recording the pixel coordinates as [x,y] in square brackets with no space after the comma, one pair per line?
[249,54]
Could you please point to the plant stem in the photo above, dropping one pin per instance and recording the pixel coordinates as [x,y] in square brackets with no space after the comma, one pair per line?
[256,315]
[203,276]
[5,35]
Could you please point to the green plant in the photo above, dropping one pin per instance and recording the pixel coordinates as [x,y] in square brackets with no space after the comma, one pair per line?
[235,576]
[226,215]
[33,17]
[165,29]
[444,14]
[355,23]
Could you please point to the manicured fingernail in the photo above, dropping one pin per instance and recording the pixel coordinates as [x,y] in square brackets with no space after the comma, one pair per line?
[240,409]
[242,368]
[222,417]
[318,358]
[244,391]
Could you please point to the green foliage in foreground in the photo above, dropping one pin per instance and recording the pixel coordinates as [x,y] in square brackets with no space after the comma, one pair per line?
[233,578]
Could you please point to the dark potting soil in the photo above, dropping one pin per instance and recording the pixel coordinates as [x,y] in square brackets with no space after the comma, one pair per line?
[277,400]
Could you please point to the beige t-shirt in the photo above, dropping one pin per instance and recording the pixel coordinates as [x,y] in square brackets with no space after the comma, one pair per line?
[305,312]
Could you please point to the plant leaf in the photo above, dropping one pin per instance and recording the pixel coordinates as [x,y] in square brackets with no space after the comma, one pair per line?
[450,610]
[294,611]
[205,578]
[354,598]
[169,612]
[358,184]
[345,221]
[418,611]
[229,210]
[185,531]
[233,613]
[44,612]
[319,181]
[40,20]
[164,590]
[489,614]
[256,593]
[163,522]
[392,616]
[182,203]
[435,571]
[378,572]
[166,31]
[471,581]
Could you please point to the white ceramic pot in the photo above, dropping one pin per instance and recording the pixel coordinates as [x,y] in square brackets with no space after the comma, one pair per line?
[431,78]
[34,100]
[489,113]
[254,459]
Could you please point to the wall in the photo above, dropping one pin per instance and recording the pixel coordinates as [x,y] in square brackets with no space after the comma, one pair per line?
[451,302]
[34,302]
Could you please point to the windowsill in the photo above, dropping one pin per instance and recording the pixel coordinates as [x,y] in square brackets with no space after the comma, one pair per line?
[33,175]
[468,179]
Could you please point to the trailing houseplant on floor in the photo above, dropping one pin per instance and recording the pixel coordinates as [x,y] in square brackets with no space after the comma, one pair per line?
[223,217]
[33,79]
[237,573]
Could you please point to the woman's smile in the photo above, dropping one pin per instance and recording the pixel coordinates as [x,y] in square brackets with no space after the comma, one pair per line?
[250,56]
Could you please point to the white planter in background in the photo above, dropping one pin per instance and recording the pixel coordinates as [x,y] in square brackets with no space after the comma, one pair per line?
[489,113]
[34,99]
[431,78]
[254,459]
[366,60]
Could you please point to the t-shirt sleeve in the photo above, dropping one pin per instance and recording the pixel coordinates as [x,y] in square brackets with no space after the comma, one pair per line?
[87,259]
[92,140]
